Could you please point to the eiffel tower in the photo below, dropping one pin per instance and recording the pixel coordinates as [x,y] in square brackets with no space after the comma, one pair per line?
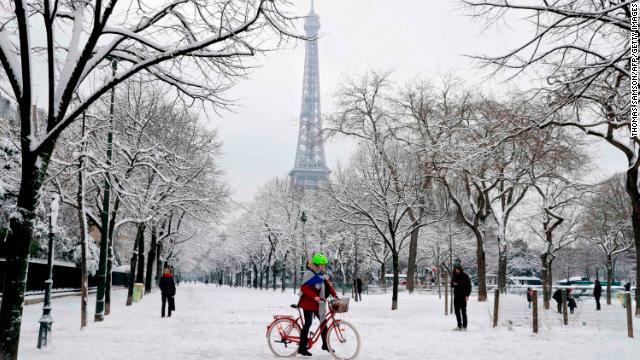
[310,169]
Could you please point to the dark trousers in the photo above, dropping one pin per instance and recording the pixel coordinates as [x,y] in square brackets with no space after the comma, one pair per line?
[172,304]
[304,335]
[460,308]
[597,302]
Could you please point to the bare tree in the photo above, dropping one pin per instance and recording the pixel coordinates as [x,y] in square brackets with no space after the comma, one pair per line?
[606,223]
[582,51]
[373,196]
[555,224]
[422,109]
[195,46]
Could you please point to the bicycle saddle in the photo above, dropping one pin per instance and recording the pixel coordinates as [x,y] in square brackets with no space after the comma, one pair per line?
[295,306]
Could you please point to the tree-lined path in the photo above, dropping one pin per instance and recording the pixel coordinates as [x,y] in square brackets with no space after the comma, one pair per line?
[230,323]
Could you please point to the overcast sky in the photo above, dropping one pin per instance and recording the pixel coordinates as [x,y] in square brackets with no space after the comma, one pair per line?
[411,38]
[418,39]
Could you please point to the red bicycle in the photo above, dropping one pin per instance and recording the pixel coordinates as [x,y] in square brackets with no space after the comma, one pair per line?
[343,340]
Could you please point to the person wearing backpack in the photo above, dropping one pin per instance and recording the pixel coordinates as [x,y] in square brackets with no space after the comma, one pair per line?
[313,290]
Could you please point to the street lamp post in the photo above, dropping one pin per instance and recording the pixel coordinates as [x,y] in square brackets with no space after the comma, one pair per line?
[303,219]
[46,320]
[101,292]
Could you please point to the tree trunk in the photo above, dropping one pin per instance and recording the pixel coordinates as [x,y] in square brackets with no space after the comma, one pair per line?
[383,277]
[439,281]
[502,271]
[609,278]
[266,274]
[82,220]
[108,279]
[550,277]
[261,281]
[159,265]
[446,292]
[396,280]
[140,270]
[634,195]
[101,275]
[413,252]
[636,227]
[151,260]
[112,225]
[344,279]
[255,277]
[17,246]
[294,274]
[134,260]
[274,270]
[104,240]
[482,267]
[355,268]
[546,286]
[283,274]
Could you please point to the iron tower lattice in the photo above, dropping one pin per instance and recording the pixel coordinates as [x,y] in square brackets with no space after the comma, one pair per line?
[310,168]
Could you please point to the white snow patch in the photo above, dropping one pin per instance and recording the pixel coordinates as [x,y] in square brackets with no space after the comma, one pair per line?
[16,215]
[225,323]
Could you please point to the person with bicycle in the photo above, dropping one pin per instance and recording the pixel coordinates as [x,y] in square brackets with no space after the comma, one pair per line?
[313,290]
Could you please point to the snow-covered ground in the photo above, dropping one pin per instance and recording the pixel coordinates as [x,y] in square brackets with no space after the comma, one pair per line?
[224,323]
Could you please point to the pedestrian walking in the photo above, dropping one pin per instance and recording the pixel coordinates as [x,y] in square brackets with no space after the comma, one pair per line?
[557,296]
[359,288]
[529,297]
[597,292]
[461,285]
[571,301]
[168,290]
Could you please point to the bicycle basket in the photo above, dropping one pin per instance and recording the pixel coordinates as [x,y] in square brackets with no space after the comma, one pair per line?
[340,305]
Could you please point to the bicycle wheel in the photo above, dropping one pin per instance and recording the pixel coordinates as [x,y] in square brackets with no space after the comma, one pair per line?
[343,340]
[283,337]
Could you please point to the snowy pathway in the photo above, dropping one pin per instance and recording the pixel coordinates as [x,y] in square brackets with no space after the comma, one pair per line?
[224,323]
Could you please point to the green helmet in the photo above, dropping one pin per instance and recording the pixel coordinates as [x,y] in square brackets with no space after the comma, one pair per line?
[319,259]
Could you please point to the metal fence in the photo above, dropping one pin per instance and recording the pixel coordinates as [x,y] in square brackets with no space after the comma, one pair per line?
[514,310]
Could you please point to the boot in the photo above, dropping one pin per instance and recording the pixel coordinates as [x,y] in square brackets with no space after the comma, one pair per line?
[326,348]
[304,352]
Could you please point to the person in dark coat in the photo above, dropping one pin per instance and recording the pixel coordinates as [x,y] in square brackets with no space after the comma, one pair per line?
[359,288]
[571,301]
[557,296]
[461,285]
[529,296]
[597,292]
[168,290]
[314,289]
[627,286]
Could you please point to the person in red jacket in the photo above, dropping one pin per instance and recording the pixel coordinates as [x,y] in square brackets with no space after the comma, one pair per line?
[312,291]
